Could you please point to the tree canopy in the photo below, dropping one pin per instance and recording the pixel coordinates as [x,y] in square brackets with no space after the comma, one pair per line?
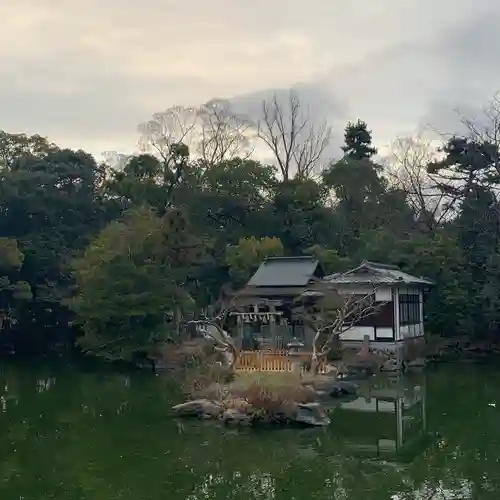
[98,255]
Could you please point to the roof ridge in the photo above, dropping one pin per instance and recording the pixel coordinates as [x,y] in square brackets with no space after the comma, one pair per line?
[293,257]
[380,265]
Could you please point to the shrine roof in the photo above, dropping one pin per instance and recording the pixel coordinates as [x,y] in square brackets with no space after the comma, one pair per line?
[286,272]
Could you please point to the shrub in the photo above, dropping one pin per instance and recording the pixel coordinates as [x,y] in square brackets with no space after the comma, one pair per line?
[271,396]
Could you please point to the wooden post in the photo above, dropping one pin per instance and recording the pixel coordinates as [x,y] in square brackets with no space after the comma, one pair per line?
[272,325]
[239,331]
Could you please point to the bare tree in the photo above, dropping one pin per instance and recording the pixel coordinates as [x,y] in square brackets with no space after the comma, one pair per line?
[406,169]
[213,329]
[485,127]
[330,313]
[166,129]
[223,134]
[116,160]
[213,132]
[296,142]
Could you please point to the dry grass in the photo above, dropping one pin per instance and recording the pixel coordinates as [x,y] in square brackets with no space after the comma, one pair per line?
[270,395]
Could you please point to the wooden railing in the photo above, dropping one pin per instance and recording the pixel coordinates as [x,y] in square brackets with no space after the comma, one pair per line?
[275,361]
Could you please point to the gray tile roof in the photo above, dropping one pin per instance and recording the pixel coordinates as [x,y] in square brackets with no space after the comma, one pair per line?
[373,272]
[284,272]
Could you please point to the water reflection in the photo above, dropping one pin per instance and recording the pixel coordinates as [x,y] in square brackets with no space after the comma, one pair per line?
[94,435]
[386,419]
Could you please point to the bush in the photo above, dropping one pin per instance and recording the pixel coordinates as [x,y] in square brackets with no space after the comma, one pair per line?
[271,396]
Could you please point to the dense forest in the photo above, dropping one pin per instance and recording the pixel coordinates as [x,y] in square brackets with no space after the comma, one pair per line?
[106,256]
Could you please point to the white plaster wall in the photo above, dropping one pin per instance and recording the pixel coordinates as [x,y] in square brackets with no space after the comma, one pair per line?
[383,294]
[384,333]
[358,333]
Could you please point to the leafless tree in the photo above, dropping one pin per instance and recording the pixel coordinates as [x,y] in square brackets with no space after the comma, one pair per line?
[116,160]
[213,132]
[330,313]
[296,142]
[406,169]
[485,126]
[223,134]
[213,328]
[174,126]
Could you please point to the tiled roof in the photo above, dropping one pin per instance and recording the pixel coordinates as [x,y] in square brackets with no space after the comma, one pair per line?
[373,272]
[284,272]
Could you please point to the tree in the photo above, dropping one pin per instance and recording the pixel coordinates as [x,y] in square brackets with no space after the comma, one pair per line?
[51,206]
[298,214]
[485,128]
[15,146]
[174,126]
[363,201]
[224,135]
[465,163]
[245,257]
[132,279]
[358,141]
[330,313]
[12,291]
[146,180]
[406,167]
[213,132]
[295,141]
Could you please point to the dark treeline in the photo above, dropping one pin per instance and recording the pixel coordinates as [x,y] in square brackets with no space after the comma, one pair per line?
[103,255]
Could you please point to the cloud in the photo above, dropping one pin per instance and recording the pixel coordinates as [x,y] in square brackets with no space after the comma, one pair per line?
[86,73]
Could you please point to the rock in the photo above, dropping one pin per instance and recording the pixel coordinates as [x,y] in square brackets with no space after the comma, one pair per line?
[391,365]
[331,386]
[357,371]
[311,414]
[235,417]
[201,408]
[238,404]
[343,388]
[416,363]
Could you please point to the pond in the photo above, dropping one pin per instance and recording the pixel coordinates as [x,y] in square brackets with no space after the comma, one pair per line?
[80,433]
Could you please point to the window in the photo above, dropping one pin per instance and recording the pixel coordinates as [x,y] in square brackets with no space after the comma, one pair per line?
[409,309]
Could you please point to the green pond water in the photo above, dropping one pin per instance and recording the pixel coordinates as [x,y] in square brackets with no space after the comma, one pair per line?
[73,433]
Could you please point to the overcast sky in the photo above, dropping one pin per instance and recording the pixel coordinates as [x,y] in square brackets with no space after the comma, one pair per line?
[86,73]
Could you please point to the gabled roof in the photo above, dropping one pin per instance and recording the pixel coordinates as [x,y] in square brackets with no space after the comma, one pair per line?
[286,272]
[374,272]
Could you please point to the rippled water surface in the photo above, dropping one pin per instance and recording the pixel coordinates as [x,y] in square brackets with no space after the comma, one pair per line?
[93,434]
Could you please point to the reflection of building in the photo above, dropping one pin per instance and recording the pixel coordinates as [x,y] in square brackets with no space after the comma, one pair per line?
[388,418]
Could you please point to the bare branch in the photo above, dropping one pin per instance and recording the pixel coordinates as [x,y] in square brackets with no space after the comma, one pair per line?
[406,169]
[297,144]
[223,134]
[332,313]
[486,126]
[214,329]
[176,125]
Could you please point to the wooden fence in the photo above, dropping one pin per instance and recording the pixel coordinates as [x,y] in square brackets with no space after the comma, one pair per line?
[275,361]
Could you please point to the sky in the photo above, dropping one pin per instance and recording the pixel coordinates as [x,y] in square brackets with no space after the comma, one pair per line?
[85,74]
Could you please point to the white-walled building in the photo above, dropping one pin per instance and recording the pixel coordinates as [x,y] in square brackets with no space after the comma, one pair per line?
[399,301]
[398,320]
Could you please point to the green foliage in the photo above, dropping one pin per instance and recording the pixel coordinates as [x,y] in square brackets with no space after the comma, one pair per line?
[358,141]
[245,257]
[127,287]
[166,231]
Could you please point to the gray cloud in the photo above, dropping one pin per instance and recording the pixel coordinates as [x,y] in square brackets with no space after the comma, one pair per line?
[87,73]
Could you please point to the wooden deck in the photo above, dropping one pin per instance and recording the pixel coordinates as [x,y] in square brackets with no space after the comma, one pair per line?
[272,361]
